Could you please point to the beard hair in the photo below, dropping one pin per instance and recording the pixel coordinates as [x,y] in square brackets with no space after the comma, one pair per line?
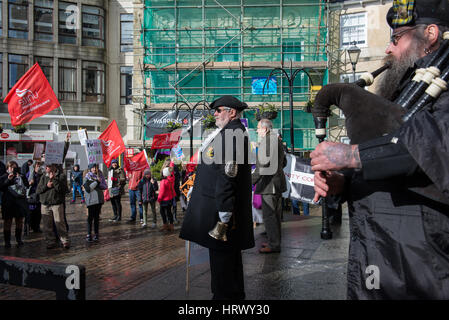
[390,80]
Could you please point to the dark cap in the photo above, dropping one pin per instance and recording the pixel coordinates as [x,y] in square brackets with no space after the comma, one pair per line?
[114,161]
[411,13]
[92,165]
[230,102]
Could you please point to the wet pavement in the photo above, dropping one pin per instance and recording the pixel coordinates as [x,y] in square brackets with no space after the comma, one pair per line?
[131,262]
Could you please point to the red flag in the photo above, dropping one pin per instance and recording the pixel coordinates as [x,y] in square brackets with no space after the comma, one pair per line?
[31,97]
[166,140]
[137,163]
[111,143]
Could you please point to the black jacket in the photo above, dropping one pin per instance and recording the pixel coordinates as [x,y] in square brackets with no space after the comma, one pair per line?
[11,205]
[399,212]
[215,191]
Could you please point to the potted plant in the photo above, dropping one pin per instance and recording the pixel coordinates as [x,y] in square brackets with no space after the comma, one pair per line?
[209,122]
[172,125]
[266,111]
[21,128]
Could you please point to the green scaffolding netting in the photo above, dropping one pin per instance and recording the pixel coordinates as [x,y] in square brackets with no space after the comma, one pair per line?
[179,35]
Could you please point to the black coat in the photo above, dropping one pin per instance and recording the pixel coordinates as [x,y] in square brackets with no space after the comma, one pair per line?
[12,207]
[399,212]
[215,191]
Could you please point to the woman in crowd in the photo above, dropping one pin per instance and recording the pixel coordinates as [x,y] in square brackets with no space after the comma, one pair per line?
[34,205]
[94,184]
[14,204]
[165,199]
[77,181]
[116,186]
[148,187]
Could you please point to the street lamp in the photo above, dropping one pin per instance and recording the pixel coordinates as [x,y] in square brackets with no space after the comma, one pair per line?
[191,109]
[354,54]
[290,78]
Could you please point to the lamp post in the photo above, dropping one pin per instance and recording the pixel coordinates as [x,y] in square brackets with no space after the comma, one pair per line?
[178,105]
[290,78]
[354,54]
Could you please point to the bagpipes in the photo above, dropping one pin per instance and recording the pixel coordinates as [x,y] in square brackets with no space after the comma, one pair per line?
[368,116]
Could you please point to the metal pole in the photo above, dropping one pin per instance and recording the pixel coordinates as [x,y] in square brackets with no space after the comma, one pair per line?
[292,135]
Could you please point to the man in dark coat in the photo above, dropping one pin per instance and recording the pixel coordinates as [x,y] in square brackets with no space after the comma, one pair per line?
[222,195]
[397,186]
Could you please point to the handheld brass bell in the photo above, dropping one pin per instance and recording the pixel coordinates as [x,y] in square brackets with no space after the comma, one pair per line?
[219,231]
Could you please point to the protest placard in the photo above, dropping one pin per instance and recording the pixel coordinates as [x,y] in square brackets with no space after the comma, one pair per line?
[38,151]
[54,152]
[93,151]
[82,135]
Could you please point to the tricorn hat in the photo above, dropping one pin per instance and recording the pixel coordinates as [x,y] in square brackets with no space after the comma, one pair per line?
[230,102]
[414,12]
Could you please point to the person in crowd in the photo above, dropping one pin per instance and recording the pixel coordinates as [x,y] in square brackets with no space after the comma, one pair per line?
[14,205]
[218,215]
[94,184]
[26,167]
[165,199]
[116,186]
[77,182]
[257,208]
[52,189]
[34,205]
[176,183]
[270,182]
[148,187]
[134,195]
[396,184]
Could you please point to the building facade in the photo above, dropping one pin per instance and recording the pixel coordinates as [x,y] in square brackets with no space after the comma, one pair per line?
[85,49]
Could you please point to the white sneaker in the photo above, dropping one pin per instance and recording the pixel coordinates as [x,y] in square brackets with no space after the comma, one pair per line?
[144,225]
[141,220]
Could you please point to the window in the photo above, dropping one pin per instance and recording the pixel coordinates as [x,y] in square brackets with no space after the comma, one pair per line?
[126,32]
[93,26]
[230,51]
[18,19]
[17,66]
[67,80]
[67,22]
[46,65]
[353,28]
[43,20]
[93,81]
[291,49]
[126,84]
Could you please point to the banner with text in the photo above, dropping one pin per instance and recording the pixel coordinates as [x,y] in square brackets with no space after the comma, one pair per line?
[156,121]
[299,177]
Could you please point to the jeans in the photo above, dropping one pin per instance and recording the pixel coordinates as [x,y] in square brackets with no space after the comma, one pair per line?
[77,188]
[134,195]
[305,207]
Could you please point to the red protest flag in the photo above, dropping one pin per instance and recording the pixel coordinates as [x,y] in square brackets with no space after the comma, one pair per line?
[111,143]
[166,140]
[137,163]
[31,97]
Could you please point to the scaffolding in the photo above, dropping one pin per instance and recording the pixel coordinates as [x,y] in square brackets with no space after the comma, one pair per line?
[202,49]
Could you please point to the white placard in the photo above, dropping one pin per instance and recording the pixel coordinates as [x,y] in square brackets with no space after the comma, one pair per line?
[82,135]
[93,151]
[54,152]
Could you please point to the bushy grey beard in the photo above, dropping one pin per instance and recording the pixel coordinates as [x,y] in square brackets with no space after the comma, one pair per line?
[390,79]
